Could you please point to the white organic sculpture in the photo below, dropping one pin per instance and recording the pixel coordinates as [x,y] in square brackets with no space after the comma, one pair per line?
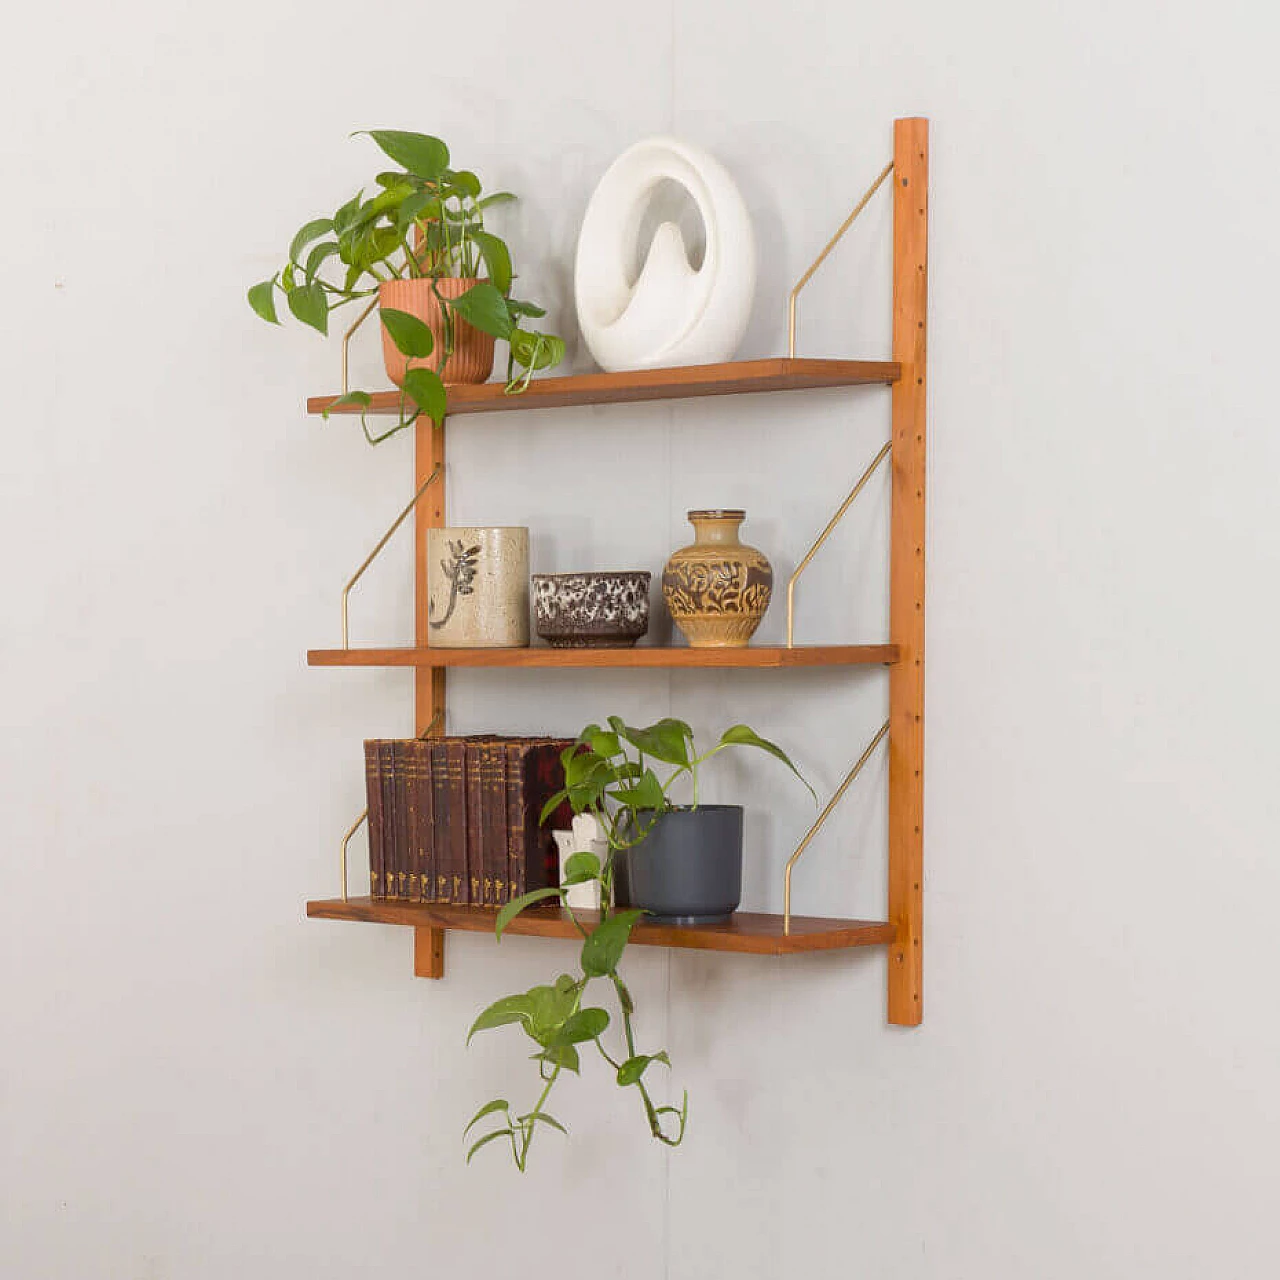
[671,314]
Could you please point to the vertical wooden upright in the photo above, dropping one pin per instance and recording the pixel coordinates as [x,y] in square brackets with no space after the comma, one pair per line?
[906,590]
[428,699]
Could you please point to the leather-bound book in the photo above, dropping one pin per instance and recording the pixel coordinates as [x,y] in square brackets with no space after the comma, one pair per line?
[443,869]
[411,772]
[373,801]
[455,827]
[480,876]
[534,775]
[426,835]
[494,851]
[386,770]
[404,846]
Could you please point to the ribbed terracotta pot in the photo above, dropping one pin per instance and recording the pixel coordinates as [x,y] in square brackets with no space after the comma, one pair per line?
[717,589]
[472,357]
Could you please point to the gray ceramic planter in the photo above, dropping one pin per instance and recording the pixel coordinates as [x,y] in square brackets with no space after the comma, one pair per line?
[688,869]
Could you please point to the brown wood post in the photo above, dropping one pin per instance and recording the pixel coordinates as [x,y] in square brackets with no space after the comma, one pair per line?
[428,953]
[429,682]
[906,587]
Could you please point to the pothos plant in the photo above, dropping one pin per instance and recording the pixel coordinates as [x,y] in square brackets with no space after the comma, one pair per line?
[425,221]
[609,773]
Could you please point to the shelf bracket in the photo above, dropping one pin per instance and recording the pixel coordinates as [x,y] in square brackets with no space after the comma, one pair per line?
[351,333]
[822,817]
[382,542]
[822,537]
[808,275]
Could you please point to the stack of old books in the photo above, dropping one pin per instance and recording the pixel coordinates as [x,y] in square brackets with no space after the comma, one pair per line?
[456,819]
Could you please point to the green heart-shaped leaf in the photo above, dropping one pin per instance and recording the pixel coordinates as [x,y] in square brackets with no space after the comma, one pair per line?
[312,231]
[419,153]
[485,308]
[424,388]
[513,908]
[607,941]
[309,304]
[411,335]
[262,298]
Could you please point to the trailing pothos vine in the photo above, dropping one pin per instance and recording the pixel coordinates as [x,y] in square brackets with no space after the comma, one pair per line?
[426,220]
[608,772]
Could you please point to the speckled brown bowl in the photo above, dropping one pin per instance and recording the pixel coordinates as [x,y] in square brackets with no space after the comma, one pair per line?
[607,610]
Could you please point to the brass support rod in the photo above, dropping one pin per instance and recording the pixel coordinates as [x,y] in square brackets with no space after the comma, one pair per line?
[822,817]
[818,261]
[346,339]
[382,542]
[346,840]
[822,537]
[355,826]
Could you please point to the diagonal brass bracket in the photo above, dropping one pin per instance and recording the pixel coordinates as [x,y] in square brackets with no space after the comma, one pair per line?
[350,333]
[822,537]
[382,542]
[818,261]
[822,817]
[355,826]
[346,840]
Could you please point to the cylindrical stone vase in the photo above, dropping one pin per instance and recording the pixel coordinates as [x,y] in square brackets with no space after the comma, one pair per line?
[478,588]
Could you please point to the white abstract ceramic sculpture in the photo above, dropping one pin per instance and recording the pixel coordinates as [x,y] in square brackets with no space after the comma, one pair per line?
[670,314]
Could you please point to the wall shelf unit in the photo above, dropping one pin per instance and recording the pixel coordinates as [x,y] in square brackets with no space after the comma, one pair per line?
[901,931]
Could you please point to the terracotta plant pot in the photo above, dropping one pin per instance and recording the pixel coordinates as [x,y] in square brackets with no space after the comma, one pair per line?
[472,356]
[717,589]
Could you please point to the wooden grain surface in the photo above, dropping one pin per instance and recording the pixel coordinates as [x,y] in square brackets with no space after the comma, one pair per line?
[745,932]
[906,574]
[763,656]
[428,682]
[731,378]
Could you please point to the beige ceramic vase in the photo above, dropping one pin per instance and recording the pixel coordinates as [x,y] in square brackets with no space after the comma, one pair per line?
[717,589]
[478,588]
[472,357]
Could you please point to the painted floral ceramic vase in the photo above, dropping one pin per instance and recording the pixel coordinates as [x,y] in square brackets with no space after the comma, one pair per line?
[478,588]
[717,589]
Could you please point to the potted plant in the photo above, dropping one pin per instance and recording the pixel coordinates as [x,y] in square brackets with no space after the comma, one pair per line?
[608,774]
[442,279]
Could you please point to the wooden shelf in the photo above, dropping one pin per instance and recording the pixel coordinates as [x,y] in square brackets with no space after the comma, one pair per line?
[745,932]
[763,656]
[732,378]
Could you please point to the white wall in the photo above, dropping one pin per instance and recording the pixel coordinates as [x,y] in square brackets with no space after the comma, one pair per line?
[197,1083]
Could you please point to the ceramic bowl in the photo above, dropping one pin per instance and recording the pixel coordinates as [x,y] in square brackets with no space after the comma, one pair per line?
[591,610]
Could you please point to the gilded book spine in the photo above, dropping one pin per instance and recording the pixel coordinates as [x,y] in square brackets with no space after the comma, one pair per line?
[373,801]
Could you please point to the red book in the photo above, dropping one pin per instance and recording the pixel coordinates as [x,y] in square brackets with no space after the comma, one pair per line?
[534,775]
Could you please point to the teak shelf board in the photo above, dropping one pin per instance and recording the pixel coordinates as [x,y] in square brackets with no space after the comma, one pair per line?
[763,656]
[746,932]
[731,378]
